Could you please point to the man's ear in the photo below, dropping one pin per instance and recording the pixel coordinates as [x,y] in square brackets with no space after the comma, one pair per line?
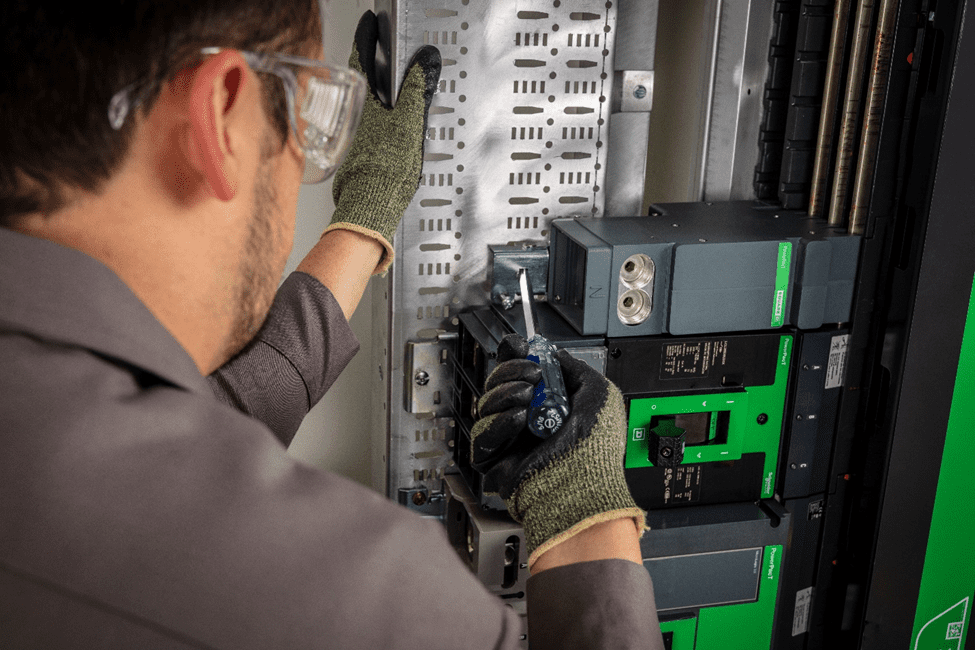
[215,87]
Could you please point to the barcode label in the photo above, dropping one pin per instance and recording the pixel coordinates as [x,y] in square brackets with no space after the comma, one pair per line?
[836,369]
[800,621]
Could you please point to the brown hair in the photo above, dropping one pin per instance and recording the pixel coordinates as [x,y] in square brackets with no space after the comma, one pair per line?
[63,62]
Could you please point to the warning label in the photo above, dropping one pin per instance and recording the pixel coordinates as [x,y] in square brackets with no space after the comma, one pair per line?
[800,621]
[836,369]
[682,484]
[692,358]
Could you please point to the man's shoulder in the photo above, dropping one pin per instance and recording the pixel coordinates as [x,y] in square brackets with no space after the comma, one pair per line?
[164,505]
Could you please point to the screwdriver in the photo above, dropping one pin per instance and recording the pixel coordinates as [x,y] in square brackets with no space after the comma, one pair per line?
[549,407]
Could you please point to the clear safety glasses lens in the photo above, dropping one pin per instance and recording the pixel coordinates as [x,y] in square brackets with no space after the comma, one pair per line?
[324,106]
[327,107]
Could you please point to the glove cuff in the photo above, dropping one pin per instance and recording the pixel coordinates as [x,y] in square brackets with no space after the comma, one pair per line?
[638,516]
[386,260]
[371,199]
[587,484]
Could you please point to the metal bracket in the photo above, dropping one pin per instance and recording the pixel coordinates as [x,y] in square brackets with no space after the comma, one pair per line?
[633,91]
[506,261]
[427,374]
[428,504]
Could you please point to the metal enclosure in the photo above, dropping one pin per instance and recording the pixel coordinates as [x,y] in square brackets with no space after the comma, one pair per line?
[532,97]
[543,113]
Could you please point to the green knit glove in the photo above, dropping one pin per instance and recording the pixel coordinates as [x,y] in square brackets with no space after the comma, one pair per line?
[560,486]
[381,172]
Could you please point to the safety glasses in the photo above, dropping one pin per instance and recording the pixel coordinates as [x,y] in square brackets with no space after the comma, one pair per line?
[324,106]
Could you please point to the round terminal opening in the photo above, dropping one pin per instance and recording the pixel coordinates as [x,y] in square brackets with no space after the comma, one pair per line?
[634,307]
[637,271]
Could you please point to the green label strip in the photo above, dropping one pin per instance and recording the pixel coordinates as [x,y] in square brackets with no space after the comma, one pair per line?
[781,283]
[944,601]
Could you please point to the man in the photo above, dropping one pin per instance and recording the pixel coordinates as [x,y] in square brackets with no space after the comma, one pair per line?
[151,164]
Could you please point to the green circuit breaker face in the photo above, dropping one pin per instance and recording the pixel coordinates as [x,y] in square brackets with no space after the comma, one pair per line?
[744,626]
[718,426]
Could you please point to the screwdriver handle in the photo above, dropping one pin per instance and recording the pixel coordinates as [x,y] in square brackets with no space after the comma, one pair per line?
[550,406]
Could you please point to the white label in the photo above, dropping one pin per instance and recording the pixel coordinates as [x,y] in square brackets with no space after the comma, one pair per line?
[800,621]
[836,370]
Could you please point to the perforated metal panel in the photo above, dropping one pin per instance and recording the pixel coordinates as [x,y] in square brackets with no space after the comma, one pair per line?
[517,136]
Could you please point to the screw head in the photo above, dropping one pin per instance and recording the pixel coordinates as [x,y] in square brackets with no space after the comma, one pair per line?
[419,498]
[762,418]
[640,92]
[616,353]
[421,378]
[666,452]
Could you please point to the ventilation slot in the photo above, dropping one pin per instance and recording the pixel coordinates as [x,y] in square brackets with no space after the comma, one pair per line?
[434,225]
[526,133]
[425,435]
[529,87]
[573,133]
[440,38]
[443,133]
[573,178]
[434,269]
[583,87]
[427,474]
[520,223]
[528,39]
[583,40]
[437,311]
[525,178]
[440,180]
[434,203]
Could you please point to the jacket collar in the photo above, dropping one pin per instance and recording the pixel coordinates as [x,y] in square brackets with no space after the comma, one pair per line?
[59,294]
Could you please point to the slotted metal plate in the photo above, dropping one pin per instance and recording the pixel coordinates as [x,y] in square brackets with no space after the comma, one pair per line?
[516,138]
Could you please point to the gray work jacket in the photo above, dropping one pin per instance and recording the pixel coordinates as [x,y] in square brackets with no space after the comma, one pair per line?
[138,510]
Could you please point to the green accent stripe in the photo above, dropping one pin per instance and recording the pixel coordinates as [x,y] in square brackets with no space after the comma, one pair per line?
[684,631]
[944,603]
[783,266]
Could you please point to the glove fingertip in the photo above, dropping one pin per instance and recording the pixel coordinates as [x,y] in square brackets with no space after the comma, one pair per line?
[513,346]
[364,44]
[427,59]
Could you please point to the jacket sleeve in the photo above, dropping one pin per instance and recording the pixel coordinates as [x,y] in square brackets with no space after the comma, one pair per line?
[301,349]
[602,604]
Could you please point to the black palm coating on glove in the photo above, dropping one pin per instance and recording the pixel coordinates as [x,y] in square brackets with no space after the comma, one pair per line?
[366,42]
[505,451]
[510,390]
[383,168]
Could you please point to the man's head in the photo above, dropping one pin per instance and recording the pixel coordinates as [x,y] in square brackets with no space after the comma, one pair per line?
[191,201]
[65,62]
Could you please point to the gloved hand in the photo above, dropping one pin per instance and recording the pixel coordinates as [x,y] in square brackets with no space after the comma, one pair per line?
[381,172]
[560,486]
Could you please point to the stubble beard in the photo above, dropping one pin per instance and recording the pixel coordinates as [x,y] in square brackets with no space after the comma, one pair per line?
[260,269]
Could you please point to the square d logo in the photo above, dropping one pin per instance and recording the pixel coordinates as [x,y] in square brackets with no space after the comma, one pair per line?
[639,433]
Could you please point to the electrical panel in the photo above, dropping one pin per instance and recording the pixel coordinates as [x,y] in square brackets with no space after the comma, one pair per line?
[750,338]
